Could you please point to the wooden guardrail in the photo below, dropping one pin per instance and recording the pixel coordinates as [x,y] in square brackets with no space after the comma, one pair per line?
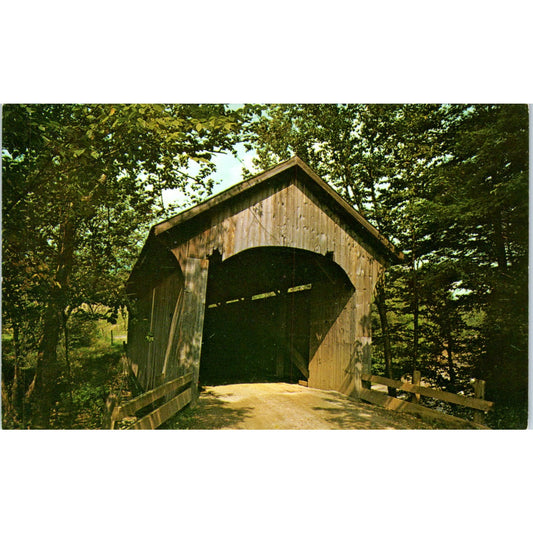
[479,404]
[158,415]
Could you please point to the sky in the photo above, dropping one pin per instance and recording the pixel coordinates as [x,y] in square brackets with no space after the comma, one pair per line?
[228,173]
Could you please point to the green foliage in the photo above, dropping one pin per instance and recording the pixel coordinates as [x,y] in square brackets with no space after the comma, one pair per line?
[95,371]
[509,414]
[81,185]
[101,168]
[82,331]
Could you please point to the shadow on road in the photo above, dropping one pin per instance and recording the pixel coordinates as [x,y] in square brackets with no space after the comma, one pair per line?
[357,415]
[210,413]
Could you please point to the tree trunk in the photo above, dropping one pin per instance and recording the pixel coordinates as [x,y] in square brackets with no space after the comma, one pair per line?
[17,391]
[43,387]
[65,317]
[415,299]
[7,409]
[385,330]
[499,242]
[451,367]
[416,312]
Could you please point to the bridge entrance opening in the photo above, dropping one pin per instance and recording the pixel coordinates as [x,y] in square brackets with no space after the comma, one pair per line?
[263,306]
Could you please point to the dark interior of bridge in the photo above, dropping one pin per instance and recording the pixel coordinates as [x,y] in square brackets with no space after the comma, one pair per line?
[258,316]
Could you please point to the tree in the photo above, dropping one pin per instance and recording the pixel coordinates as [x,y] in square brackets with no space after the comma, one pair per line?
[79,181]
[480,223]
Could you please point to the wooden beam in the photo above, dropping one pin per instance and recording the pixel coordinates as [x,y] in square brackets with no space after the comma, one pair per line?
[296,357]
[280,359]
[191,325]
[163,413]
[394,404]
[482,405]
[479,391]
[131,407]
[111,402]
[299,361]
[417,376]
[175,317]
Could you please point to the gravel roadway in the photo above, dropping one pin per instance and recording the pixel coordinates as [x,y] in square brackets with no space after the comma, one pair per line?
[286,406]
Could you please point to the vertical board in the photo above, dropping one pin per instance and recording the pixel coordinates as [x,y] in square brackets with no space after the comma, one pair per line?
[169,361]
[192,317]
[334,353]
[149,329]
[166,295]
[138,329]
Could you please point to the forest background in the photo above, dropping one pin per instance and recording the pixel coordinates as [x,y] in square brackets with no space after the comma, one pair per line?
[447,184]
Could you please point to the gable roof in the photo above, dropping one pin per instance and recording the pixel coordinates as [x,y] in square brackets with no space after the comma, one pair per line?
[306,174]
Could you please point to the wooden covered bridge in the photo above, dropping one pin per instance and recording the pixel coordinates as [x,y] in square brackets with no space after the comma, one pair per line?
[270,280]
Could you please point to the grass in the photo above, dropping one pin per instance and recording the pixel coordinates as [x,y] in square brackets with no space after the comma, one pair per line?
[95,373]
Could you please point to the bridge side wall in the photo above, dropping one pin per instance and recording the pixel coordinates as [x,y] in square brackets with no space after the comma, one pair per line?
[152,320]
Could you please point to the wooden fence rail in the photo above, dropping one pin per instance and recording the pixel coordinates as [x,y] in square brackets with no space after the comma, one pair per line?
[159,415]
[479,404]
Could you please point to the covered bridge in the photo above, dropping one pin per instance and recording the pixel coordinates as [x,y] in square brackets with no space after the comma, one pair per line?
[270,280]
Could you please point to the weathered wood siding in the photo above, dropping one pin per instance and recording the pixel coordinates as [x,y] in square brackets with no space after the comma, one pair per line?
[149,332]
[189,342]
[290,214]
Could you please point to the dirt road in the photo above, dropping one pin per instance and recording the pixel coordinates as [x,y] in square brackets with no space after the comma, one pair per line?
[286,406]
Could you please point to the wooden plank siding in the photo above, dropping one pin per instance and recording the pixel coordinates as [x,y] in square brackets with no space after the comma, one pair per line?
[288,212]
[268,223]
[150,323]
[192,318]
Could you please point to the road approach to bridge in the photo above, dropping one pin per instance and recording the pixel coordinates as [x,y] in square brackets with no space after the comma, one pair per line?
[286,406]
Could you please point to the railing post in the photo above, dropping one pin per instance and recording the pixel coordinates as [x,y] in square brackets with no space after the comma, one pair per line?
[110,404]
[479,393]
[417,376]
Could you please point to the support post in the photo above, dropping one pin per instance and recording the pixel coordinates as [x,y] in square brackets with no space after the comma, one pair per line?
[279,363]
[416,381]
[479,392]
[192,319]
[110,404]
